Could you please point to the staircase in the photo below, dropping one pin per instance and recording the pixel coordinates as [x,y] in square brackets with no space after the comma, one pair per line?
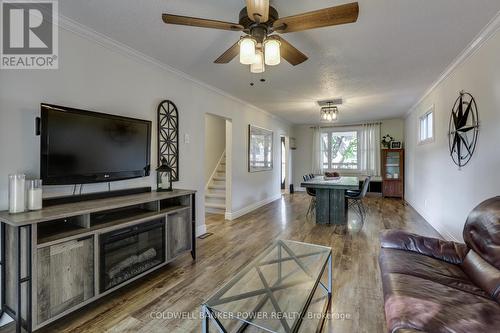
[215,191]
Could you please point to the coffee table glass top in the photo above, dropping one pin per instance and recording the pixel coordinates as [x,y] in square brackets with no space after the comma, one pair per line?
[274,290]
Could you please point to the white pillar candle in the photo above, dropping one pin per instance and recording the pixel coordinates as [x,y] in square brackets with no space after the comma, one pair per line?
[17,191]
[35,198]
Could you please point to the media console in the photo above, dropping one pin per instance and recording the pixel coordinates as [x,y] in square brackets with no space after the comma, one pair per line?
[56,260]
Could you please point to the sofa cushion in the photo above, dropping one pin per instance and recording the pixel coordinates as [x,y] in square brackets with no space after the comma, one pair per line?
[417,303]
[411,263]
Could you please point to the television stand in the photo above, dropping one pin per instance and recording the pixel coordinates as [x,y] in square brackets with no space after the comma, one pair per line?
[61,258]
[47,202]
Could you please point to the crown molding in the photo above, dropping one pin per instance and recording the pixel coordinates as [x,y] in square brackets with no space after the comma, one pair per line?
[113,45]
[490,30]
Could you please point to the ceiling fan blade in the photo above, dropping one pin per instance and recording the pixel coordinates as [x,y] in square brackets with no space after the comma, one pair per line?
[290,53]
[229,55]
[258,10]
[199,22]
[342,14]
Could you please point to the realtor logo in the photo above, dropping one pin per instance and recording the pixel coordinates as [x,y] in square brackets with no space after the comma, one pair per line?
[29,36]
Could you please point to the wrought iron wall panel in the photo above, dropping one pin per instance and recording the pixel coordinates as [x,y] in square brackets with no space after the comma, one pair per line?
[463,129]
[168,136]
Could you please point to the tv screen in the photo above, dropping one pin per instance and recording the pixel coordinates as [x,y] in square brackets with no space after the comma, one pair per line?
[81,147]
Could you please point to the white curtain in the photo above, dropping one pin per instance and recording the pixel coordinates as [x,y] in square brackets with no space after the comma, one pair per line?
[316,152]
[369,145]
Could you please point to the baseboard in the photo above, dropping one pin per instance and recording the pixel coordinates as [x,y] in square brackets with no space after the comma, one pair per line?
[201,229]
[234,215]
[445,234]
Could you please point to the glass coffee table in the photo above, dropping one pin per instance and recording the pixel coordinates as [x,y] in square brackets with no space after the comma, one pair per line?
[275,292]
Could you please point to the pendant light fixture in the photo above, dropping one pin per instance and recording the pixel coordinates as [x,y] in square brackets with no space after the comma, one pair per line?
[258,66]
[247,50]
[272,52]
[329,113]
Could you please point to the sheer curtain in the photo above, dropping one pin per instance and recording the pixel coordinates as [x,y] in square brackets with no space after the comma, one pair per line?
[369,146]
[316,152]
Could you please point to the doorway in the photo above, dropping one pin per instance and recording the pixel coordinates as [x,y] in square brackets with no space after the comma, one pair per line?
[283,163]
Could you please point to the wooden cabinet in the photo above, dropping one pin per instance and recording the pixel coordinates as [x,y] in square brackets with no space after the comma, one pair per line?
[178,233]
[65,276]
[393,173]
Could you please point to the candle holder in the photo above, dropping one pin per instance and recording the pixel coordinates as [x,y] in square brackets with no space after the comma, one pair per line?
[35,194]
[17,191]
[164,176]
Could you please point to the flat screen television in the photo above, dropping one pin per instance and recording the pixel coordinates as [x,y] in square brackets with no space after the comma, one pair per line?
[82,147]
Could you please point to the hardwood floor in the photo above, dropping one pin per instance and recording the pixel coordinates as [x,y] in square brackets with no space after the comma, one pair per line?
[357,302]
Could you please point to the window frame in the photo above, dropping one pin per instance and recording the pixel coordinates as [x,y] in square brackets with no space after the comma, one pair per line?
[341,130]
[425,117]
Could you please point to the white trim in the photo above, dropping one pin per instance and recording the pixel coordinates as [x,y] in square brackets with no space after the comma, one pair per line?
[445,234]
[215,170]
[201,229]
[245,210]
[485,35]
[113,45]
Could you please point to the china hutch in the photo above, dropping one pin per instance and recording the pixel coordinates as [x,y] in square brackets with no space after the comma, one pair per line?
[393,173]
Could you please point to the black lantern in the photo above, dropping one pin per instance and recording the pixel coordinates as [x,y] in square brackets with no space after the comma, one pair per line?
[164,176]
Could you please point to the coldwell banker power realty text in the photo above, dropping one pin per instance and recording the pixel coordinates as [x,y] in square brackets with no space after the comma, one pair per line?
[29,36]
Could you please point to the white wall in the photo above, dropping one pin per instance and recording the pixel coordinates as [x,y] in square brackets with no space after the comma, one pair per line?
[104,77]
[302,156]
[215,142]
[393,127]
[435,186]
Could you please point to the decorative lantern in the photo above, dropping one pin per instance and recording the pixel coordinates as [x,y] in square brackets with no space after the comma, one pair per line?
[164,176]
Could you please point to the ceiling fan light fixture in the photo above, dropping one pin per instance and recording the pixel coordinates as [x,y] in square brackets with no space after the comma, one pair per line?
[247,50]
[258,66]
[272,51]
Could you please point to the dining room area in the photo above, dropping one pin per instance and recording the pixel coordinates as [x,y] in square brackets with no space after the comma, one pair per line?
[338,166]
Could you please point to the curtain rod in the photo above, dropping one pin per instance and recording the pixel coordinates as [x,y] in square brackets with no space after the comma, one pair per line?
[347,125]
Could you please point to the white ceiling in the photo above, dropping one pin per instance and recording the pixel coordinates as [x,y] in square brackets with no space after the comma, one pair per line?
[380,65]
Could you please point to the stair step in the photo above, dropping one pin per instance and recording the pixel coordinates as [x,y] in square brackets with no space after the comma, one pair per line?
[214,205]
[217,187]
[215,195]
[219,179]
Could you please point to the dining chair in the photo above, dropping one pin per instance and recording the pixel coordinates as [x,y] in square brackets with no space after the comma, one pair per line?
[312,193]
[355,198]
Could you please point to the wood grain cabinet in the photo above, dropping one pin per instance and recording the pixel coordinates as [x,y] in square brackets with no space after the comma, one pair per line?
[393,173]
[65,276]
[178,233]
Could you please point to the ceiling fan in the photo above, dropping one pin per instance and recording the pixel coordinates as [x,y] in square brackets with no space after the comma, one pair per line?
[261,23]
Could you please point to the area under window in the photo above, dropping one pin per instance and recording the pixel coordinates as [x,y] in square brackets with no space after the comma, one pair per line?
[426,131]
[339,150]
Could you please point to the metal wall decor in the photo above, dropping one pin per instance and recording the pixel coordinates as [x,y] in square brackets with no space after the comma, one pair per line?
[168,136]
[463,129]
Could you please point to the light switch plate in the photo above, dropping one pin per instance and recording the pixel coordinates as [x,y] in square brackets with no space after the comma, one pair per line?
[186,138]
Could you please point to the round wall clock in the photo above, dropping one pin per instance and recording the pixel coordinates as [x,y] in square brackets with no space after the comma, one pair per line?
[463,129]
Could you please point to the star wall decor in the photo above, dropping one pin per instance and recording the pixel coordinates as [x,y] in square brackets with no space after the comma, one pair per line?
[463,129]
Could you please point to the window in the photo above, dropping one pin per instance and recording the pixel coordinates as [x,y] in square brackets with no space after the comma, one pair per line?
[339,150]
[426,132]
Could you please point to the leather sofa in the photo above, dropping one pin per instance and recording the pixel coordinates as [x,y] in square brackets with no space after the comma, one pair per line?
[431,285]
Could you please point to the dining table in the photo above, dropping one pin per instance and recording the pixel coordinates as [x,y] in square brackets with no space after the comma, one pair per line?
[331,205]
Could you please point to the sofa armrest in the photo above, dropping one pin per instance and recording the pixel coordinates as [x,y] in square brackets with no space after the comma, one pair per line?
[451,252]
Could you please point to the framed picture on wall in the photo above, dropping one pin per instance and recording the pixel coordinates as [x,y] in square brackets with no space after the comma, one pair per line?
[260,149]
[396,145]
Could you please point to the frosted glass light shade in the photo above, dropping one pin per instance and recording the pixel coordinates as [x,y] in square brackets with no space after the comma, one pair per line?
[272,52]
[247,50]
[258,65]
[329,113]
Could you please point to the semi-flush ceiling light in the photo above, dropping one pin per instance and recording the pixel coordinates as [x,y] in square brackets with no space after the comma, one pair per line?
[272,52]
[257,66]
[247,50]
[329,113]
